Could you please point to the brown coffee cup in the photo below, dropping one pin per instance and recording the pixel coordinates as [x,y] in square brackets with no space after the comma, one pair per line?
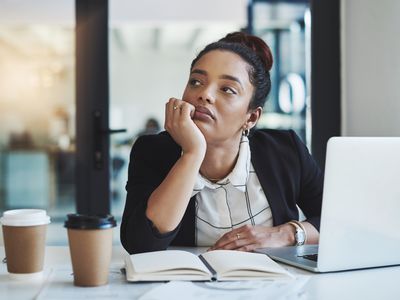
[24,234]
[90,244]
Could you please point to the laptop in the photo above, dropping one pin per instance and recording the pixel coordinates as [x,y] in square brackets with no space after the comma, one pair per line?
[360,218]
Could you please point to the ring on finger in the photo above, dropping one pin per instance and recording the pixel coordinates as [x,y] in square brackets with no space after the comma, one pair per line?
[238,236]
[175,107]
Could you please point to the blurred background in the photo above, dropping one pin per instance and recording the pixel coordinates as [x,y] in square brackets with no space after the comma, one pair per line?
[151,46]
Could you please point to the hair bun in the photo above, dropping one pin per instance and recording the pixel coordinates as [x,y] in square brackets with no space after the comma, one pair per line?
[253,42]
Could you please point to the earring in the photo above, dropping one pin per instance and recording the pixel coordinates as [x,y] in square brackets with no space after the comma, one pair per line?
[246,132]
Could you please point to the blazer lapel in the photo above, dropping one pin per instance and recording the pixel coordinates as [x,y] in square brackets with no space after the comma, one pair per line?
[267,168]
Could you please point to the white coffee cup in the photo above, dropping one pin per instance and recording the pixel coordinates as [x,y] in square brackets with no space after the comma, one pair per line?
[24,233]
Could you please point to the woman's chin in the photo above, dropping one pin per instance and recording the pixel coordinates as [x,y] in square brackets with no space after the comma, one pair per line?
[205,128]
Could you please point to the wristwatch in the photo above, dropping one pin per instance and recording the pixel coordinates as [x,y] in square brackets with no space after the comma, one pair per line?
[300,234]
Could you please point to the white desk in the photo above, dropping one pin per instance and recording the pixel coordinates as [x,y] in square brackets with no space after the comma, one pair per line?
[381,283]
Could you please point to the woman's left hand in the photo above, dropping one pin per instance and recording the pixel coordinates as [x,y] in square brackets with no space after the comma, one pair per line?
[248,238]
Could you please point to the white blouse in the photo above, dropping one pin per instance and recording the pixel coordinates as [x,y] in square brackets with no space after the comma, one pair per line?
[232,202]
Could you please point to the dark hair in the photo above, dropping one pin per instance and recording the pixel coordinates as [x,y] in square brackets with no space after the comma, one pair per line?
[256,53]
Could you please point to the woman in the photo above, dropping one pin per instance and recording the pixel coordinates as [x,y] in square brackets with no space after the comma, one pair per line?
[206,181]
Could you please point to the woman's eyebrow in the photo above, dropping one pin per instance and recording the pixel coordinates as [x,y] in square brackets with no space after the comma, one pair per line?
[198,71]
[224,76]
[233,78]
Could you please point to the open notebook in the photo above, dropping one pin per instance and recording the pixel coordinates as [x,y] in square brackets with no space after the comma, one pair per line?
[221,265]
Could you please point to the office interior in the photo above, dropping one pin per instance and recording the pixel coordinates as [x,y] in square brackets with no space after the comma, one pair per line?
[326,81]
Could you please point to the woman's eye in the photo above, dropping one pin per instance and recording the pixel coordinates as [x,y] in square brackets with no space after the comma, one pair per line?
[229,90]
[194,82]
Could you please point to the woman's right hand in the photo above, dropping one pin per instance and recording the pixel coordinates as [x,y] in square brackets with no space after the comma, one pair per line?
[167,204]
[179,124]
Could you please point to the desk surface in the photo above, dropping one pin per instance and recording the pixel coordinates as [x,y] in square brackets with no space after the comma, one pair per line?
[380,283]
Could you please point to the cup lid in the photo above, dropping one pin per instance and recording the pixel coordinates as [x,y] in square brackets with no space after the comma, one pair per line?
[25,217]
[80,221]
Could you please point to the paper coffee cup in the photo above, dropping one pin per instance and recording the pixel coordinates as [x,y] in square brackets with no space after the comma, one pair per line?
[24,234]
[90,244]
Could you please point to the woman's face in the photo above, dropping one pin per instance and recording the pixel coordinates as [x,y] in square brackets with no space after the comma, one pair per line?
[219,87]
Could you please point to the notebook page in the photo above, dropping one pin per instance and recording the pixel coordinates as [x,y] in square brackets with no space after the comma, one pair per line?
[242,263]
[159,261]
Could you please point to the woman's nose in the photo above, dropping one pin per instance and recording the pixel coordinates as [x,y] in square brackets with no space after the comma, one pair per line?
[207,95]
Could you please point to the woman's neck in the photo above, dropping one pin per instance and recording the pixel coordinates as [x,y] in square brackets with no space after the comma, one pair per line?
[220,159]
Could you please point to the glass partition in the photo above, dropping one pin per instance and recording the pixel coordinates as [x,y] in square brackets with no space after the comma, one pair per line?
[149,63]
[37,109]
[286,28]
[150,55]
[150,58]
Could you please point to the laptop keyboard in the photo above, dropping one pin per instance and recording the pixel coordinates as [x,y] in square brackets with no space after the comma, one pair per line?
[313,257]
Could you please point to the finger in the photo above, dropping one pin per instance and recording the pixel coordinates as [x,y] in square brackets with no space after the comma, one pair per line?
[233,235]
[229,237]
[225,239]
[171,103]
[248,248]
[244,244]
[176,107]
[236,244]
[187,109]
[169,112]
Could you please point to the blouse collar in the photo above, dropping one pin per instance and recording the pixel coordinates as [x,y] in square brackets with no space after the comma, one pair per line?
[237,178]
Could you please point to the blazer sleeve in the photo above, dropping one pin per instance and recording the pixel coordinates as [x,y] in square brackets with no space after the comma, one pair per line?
[311,184]
[148,166]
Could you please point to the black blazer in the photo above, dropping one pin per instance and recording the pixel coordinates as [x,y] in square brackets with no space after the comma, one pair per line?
[287,173]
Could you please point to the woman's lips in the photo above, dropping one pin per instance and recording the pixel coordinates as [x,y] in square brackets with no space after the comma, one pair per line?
[203,113]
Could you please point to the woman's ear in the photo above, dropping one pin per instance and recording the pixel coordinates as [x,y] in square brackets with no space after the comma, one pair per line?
[253,118]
